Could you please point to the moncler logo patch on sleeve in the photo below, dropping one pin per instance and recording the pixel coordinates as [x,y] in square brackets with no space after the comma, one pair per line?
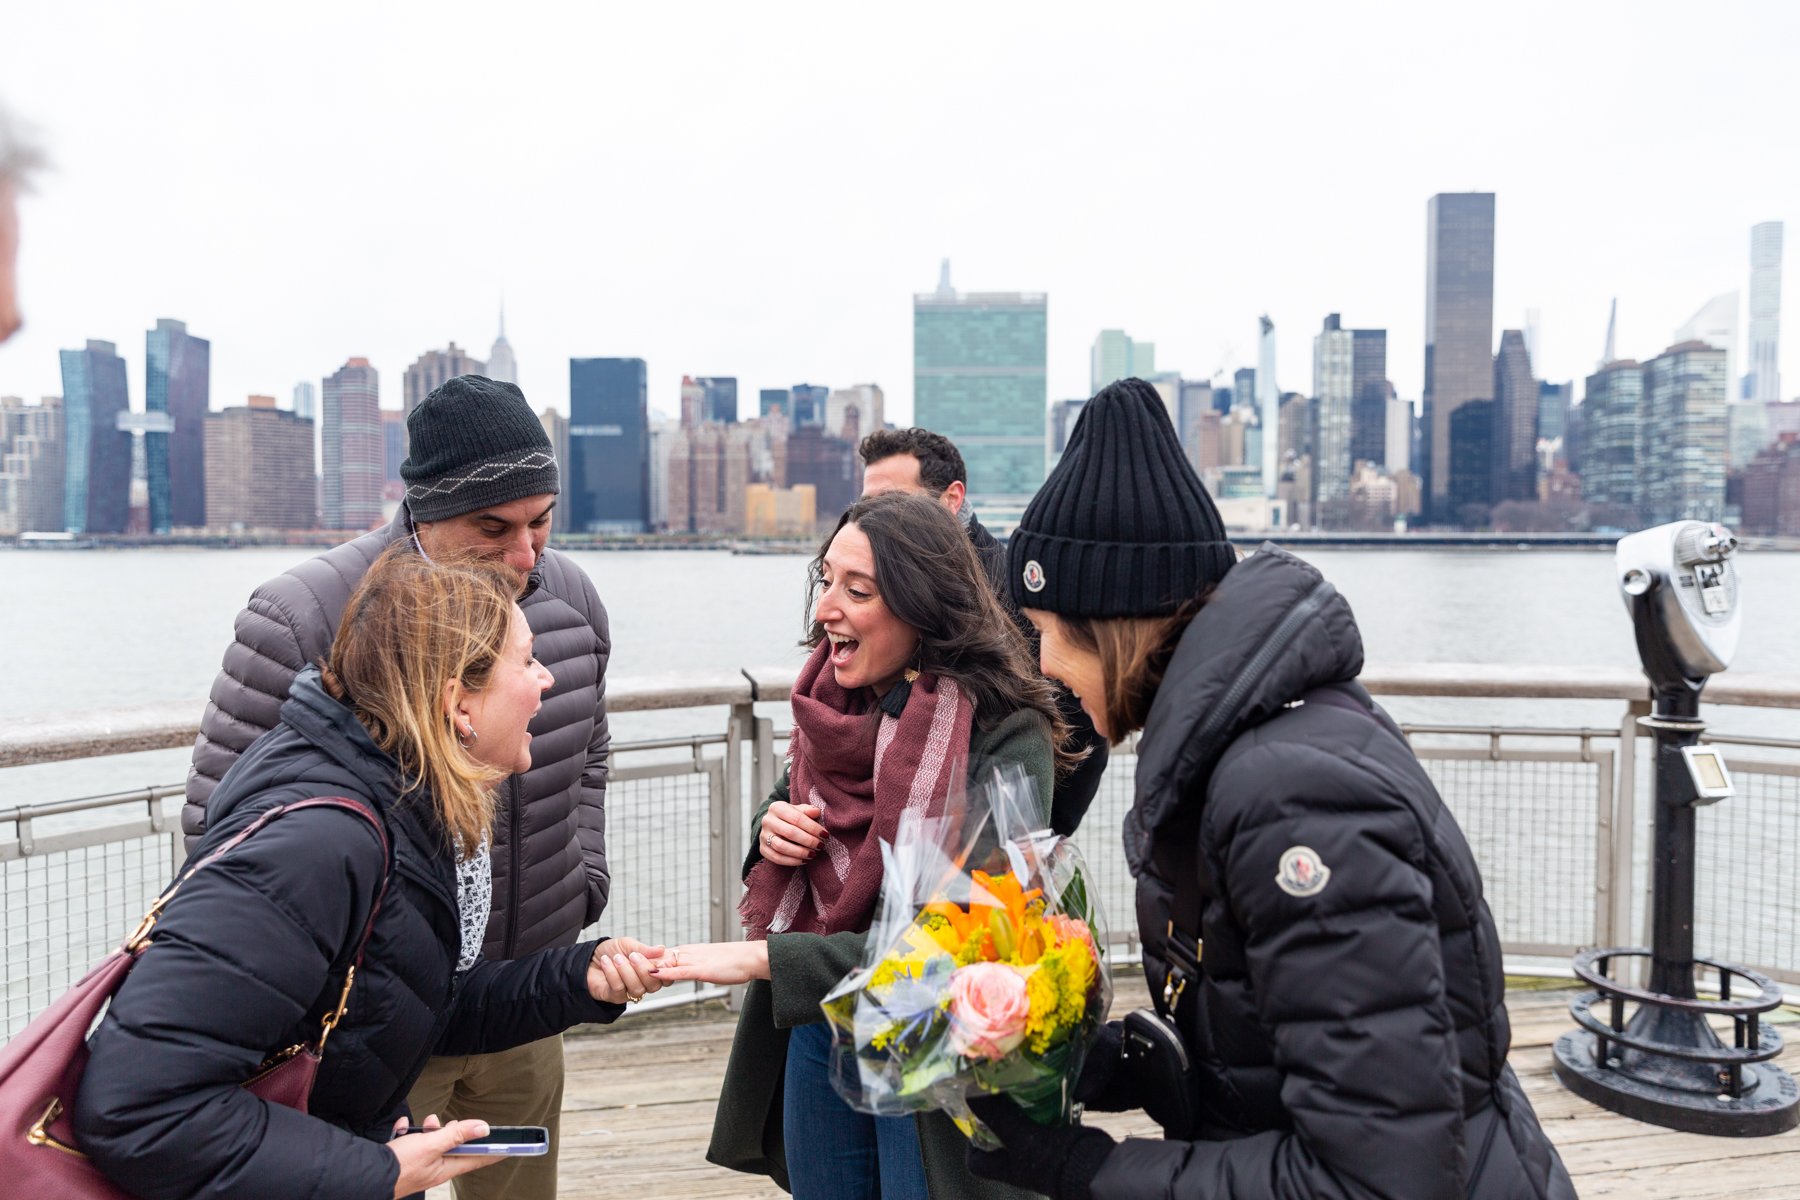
[1302,872]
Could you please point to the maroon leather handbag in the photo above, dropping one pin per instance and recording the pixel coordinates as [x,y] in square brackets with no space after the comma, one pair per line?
[41,1068]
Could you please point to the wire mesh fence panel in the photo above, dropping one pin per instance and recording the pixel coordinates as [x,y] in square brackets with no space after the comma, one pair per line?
[1746,907]
[66,909]
[1532,823]
[1101,839]
[658,849]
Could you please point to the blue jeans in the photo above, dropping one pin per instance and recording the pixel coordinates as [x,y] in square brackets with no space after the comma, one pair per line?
[833,1151]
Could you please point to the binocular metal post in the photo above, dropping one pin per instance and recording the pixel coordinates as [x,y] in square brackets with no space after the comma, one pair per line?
[1666,1065]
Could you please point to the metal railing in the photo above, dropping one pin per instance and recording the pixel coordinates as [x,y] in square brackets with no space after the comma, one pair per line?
[1557,817]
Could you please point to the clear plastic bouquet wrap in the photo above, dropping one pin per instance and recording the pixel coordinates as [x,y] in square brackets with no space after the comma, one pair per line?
[985,969]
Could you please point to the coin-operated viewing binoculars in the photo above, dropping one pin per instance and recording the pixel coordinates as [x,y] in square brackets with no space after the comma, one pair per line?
[1665,1065]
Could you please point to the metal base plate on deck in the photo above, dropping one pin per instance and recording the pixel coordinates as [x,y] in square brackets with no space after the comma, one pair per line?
[1770,1102]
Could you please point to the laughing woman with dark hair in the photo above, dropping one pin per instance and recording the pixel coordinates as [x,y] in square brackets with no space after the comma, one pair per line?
[917,683]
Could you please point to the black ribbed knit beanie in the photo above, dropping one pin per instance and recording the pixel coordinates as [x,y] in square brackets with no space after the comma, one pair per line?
[1123,527]
[475,444]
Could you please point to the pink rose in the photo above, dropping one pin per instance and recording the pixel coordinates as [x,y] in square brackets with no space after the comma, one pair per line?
[988,1007]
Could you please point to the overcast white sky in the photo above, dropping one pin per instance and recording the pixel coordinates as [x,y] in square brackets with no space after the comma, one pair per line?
[757,189]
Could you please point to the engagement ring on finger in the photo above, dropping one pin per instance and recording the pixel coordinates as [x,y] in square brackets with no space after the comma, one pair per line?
[632,999]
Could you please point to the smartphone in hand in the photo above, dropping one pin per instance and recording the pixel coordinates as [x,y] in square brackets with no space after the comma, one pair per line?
[500,1139]
[508,1139]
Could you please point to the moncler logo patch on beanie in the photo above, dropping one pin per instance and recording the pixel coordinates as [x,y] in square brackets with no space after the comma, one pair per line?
[475,443]
[1122,527]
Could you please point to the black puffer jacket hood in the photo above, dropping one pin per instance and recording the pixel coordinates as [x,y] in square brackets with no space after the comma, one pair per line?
[250,954]
[1273,630]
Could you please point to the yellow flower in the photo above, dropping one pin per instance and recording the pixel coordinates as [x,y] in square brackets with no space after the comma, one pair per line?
[1058,991]
[1040,1026]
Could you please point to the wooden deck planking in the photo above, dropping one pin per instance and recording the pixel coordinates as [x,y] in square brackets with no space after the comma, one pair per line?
[639,1099]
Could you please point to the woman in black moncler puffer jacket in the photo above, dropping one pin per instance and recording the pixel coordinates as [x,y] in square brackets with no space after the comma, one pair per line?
[1312,917]
[251,952]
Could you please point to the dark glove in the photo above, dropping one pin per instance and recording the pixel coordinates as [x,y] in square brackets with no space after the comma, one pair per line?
[1059,1161]
[1102,1086]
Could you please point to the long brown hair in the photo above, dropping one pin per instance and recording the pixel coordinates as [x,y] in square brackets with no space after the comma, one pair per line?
[411,627]
[930,578]
[1134,653]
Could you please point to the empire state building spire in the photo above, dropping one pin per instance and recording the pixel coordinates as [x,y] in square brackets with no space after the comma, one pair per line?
[502,366]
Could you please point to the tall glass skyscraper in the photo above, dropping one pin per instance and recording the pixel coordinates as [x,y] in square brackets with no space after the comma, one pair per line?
[1610,416]
[1515,420]
[979,362]
[1459,328]
[177,381]
[1765,312]
[353,449]
[1333,394]
[608,472]
[1268,408]
[1368,412]
[1681,471]
[96,452]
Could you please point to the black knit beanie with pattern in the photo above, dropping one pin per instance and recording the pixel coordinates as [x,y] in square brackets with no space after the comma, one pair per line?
[475,443]
[1122,527]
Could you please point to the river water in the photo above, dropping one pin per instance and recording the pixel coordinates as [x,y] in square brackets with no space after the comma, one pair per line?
[87,630]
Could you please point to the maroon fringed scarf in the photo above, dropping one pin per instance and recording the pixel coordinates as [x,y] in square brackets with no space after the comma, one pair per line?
[862,777]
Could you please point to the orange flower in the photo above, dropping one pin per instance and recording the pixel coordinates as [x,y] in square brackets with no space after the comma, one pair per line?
[959,920]
[1005,888]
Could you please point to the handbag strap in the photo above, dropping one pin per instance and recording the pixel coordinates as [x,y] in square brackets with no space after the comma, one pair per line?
[141,937]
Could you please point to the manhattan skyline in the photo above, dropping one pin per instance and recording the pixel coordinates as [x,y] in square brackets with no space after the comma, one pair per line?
[841,167]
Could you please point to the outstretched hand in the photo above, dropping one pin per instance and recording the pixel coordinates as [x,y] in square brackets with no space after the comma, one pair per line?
[723,963]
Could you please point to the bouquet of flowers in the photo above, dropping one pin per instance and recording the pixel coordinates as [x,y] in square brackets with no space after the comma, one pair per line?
[985,970]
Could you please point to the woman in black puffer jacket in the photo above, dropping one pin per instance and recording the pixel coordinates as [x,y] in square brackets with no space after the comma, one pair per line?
[1312,918]
[420,710]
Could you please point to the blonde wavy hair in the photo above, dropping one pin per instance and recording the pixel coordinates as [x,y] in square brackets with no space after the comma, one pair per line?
[411,627]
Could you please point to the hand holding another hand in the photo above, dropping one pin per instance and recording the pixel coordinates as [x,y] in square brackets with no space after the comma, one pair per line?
[620,971]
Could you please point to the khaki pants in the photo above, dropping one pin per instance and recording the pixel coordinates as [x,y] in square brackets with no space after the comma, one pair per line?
[522,1086]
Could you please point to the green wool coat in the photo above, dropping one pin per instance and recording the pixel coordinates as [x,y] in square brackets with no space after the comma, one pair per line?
[747,1133]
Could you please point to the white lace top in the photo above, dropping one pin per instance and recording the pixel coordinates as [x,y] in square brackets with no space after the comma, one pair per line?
[474,898]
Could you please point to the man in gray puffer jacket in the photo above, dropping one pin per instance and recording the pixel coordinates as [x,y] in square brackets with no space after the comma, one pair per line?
[481,476]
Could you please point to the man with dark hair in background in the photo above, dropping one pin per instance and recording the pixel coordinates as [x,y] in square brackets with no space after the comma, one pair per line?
[918,460]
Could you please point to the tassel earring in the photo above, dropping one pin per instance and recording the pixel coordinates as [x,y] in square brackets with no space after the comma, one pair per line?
[894,703]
